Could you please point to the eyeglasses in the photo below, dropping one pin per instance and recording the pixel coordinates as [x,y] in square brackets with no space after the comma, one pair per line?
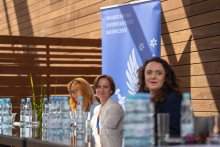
[75,91]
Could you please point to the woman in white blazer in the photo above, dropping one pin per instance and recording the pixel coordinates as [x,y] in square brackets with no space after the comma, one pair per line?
[107,120]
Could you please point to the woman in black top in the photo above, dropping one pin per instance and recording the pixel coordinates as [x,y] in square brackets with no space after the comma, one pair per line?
[157,77]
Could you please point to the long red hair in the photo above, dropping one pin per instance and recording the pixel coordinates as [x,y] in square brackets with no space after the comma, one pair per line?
[87,93]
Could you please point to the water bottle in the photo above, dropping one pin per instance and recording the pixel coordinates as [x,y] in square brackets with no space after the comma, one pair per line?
[88,135]
[128,121]
[150,121]
[28,119]
[80,122]
[0,116]
[4,117]
[22,118]
[187,122]
[66,121]
[45,111]
[9,105]
[59,131]
[52,120]
[144,121]
[73,128]
[60,102]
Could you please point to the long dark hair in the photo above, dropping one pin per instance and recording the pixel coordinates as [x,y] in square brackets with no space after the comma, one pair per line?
[171,82]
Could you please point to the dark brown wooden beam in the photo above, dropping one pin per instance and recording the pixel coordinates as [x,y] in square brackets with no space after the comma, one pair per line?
[51,70]
[25,56]
[49,41]
[51,50]
[15,61]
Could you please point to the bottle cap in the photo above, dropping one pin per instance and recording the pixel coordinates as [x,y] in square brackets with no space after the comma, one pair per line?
[28,100]
[131,97]
[0,100]
[22,100]
[143,95]
[51,98]
[8,100]
[80,98]
[45,99]
[56,98]
[60,98]
[186,95]
[65,98]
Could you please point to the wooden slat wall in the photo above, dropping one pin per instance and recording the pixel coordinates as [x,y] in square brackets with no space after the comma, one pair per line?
[190,43]
[190,38]
[55,61]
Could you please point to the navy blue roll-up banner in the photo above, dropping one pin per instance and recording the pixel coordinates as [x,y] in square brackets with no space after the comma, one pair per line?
[131,34]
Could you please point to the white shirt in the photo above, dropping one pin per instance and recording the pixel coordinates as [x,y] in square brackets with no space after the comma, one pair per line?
[110,124]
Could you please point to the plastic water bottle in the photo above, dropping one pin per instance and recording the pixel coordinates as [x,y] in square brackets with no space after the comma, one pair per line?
[187,122]
[28,119]
[59,131]
[9,105]
[144,121]
[22,118]
[45,111]
[72,128]
[66,121]
[52,120]
[128,121]
[80,122]
[4,116]
[88,135]
[0,116]
[150,121]
[60,102]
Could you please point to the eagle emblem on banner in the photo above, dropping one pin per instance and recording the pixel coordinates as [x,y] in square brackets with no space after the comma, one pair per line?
[131,74]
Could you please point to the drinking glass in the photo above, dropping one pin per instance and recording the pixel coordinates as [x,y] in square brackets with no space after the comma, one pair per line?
[163,122]
[214,129]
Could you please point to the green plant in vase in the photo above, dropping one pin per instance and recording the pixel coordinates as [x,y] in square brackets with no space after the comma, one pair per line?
[38,105]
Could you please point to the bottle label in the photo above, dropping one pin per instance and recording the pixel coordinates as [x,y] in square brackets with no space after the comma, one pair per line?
[88,125]
[66,139]
[9,119]
[22,132]
[59,123]
[67,107]
[186,129]
[78,107]
[27,118]
[44,133]
[80,123]
[45,119]
[4,119]
[129,129]
[22,118]
[144,129]
[80,141]
[66,123]
[52,123]
[59,139]
[51,138]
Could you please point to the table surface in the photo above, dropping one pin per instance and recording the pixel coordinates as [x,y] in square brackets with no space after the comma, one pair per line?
[16,140]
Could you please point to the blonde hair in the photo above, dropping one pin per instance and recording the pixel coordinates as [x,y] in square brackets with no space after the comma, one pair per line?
[87,93]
